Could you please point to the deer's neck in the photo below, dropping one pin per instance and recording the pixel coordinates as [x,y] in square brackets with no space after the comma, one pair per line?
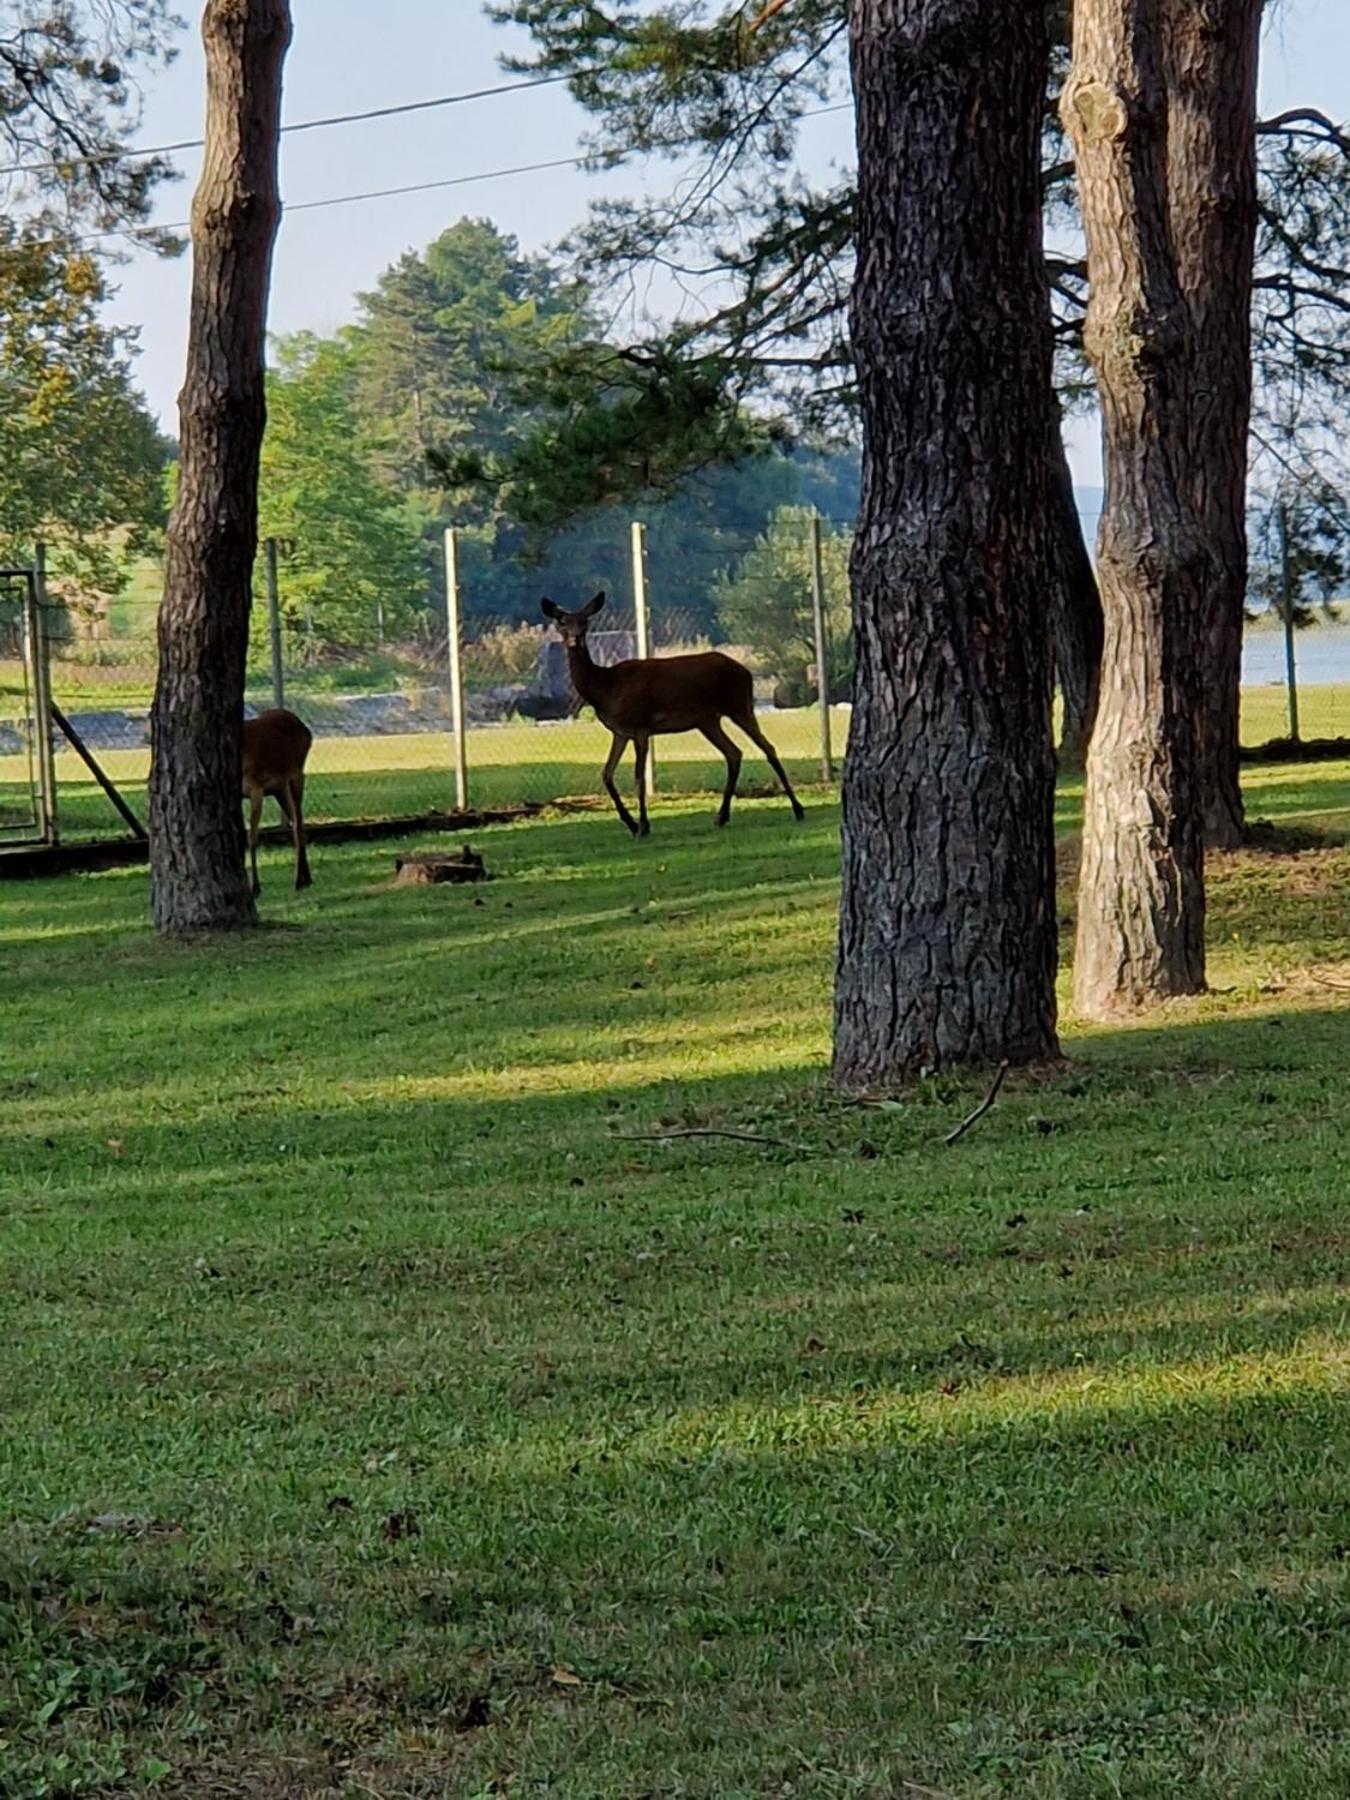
[588,677]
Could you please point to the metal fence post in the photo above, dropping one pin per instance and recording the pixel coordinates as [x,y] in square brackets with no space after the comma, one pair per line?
[642,621]
[42,694]
[822,665]
[274,622]
[456,670]
[1287,609]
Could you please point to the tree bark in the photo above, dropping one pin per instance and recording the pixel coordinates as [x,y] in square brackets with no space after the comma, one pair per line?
[1212,49]
[1075,609]
[197,873]
[947,944]
[1141,889]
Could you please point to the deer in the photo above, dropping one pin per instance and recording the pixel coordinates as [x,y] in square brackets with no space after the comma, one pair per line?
[653,696]
[276,744]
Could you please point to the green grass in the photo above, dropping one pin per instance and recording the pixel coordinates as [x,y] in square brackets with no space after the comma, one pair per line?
[406,776]
[410,775]
[384,1416]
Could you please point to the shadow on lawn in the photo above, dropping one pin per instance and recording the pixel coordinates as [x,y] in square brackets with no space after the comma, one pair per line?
[1016,1467]
[990,1606]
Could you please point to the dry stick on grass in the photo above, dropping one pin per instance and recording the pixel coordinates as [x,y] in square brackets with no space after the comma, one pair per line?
[693,1131]
[954,1137]
[1341,987]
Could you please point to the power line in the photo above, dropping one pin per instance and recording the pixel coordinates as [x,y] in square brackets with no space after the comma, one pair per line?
[356,118]
[454,181]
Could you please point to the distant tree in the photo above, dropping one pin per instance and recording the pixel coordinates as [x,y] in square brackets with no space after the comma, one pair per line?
[764,602]
[1300,551]
[197,879]
[445,363]
[81,460]
[354,554]
[442,343]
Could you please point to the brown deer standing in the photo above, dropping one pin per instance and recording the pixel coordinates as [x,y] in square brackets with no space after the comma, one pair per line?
[653,696]
[276,744]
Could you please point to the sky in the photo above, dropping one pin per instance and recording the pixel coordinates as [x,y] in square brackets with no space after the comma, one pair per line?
[347,56]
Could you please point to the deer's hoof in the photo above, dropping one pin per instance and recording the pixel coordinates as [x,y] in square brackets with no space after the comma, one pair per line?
[799,813]
[644,829]
[256,889]
[723,819]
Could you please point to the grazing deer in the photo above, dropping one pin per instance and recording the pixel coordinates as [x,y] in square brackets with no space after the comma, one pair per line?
[649,697]
[276,744]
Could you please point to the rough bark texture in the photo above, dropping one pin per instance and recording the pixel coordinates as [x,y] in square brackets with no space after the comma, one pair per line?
[1212,51]
[1075,609]
[947,941]
[197,873]
[1141,891]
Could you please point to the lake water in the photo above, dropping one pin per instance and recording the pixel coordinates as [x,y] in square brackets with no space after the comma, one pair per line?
[1321,652]
[1321,657]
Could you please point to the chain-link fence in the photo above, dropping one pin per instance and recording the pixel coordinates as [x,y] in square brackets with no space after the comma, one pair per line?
[471,705]
[26,768]
[483,715]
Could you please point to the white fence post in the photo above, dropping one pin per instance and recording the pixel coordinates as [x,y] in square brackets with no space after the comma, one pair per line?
[42,693]
[822,669]
[456,671]
[274,622]
[1287,612]
[642,621]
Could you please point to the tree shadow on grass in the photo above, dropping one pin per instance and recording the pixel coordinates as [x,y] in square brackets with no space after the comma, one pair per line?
[987,1467]
[976,1602]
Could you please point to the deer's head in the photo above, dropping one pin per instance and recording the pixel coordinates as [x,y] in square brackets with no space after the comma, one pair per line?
[573,626]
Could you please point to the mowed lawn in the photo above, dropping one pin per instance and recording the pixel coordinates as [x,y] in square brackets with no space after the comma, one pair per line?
[409,775]
[393,1406]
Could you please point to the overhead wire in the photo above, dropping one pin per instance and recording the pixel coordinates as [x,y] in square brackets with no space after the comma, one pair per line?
[145,153]
[454,181]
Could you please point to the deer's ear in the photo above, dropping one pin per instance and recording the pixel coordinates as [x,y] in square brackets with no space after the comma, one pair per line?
[549,610]
[592,607]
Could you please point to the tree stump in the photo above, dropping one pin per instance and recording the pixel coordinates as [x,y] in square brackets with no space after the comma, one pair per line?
[427,868]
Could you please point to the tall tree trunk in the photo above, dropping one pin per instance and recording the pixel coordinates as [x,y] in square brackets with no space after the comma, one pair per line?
[947,944]
[1212,51]
[1141,890]
[196,823]
[1075,609]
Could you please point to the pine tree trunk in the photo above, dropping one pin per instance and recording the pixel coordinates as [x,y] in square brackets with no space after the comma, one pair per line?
[1075,610]
[1212,51]
[1141,890]
[196,821]
[947,946]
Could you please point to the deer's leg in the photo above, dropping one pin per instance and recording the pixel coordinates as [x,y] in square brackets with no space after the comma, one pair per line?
[617,745]
[290,799]
[731,750]
[255,806]
[749,724]
[640,769]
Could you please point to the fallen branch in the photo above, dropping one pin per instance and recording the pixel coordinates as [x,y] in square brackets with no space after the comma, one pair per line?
[954,1137]
[693,1131]
[1341,987]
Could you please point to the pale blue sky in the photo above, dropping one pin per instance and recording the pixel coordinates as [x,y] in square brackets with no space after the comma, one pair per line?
[348,55]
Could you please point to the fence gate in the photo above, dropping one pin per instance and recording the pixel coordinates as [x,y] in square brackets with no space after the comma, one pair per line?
[27,774]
